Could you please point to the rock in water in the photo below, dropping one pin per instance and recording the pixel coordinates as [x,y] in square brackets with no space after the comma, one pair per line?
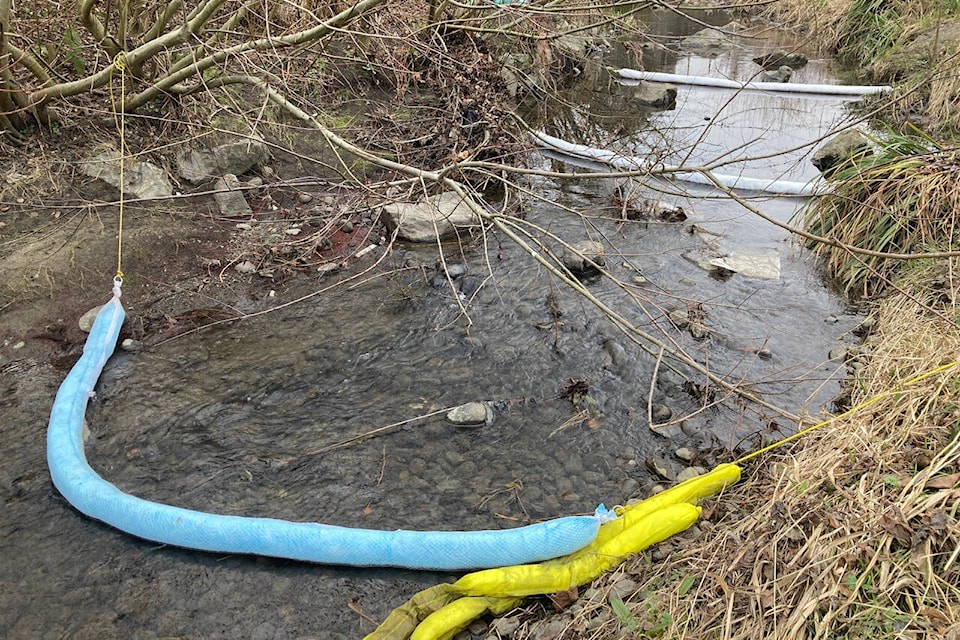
[473,414]
[426,221]
[779,59]
[581,257]
[782,74]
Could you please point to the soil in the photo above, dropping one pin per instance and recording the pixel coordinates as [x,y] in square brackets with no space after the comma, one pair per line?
[59,247]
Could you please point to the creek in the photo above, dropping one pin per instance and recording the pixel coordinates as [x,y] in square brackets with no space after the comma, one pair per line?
[238,419]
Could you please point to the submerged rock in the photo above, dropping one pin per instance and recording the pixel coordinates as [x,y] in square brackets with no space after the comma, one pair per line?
[661,467]
[583,257]
[471,414]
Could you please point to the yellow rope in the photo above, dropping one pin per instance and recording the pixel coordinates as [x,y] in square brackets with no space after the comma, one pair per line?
[120,64]
[851,410]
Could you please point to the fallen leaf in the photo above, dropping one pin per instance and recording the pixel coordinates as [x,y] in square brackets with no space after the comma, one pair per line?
[943,482]
[563,599]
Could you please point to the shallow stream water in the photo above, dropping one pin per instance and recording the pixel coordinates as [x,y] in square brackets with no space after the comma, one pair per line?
[239,419]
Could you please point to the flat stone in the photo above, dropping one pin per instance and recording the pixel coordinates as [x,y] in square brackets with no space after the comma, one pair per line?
[781,74]
[660,467]
[229,198]
[141,179]
[685,453]
[428,220]
[623,588]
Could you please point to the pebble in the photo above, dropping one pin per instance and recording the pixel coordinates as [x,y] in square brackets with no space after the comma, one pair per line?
[831,320]
[867,326]
[255,182]
[661,413]
[764,353]
[629,486]
[472,414]
[573,464]
[690,472]
[477,627]
[346,226]
[245,267]
[129,344]
[551,629]
[685,453]
[660,467]
[837,354]
[305,198]
[328,267]
[623,588]
[504,627]
[698,331]
[244,226]
[679,318]
[456,270]
[86,320]
[292,231]
[595,622]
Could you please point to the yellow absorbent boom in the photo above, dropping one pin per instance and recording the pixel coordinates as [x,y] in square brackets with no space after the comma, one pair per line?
[440,612]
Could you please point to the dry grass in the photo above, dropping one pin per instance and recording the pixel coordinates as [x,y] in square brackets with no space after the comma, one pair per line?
[822,21]
[898,201]
[851,532]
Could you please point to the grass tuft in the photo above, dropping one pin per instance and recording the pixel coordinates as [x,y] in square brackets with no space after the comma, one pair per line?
[903,198]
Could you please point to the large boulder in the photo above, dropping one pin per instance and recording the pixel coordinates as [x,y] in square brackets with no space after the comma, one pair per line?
[197,166]
[840,150]
[428,220]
